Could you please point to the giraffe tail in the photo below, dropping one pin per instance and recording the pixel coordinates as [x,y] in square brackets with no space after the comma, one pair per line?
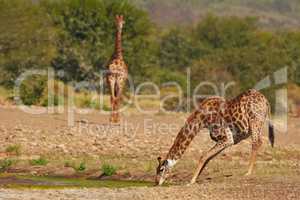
[271,134]
[271,127]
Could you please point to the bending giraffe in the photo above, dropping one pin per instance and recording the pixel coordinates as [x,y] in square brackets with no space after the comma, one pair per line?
[117,72]
[228,121]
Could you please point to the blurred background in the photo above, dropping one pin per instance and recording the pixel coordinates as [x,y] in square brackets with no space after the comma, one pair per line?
[219,40]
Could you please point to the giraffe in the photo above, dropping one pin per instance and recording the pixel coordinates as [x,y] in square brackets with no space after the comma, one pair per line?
[117,72]
[228,121]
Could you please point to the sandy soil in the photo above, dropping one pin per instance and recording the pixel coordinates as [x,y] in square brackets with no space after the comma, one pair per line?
[231,189]
[144,137]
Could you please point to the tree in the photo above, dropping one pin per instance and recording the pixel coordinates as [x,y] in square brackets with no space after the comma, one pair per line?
[27,39]
[176,50]
[229,32]
[87,40]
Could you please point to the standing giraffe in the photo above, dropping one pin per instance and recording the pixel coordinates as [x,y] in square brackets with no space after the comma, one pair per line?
[228,121]
[117,72]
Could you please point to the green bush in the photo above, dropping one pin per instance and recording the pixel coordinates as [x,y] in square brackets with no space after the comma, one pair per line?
[39,161]
[83,100]
[31,90]
[108,170]
[5,164]
[56,100]
[59,94]
[81,167]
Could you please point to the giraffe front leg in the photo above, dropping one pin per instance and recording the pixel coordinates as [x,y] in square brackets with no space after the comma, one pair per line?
[219,147]
[116,112]
[117,99]
[113,108]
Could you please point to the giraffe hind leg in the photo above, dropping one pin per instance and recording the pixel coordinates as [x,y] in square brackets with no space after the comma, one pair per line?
[113,106]
[256,144]
[118,98]
[255,148]
[114,118]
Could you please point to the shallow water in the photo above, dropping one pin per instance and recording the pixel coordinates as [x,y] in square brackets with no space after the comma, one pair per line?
[44,182]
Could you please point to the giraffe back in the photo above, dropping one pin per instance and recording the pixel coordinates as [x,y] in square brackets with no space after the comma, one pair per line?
[238,114]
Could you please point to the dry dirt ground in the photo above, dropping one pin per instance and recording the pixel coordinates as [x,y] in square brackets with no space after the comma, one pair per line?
[133,147]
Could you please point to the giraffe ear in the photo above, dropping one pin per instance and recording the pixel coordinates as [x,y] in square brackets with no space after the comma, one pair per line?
[159,160]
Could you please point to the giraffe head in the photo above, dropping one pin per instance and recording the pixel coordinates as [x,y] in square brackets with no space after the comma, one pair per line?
[163,170]
[120,21]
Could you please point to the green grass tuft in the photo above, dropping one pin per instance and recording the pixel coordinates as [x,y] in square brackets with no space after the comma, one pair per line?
[81,167]
[108,170]
[39,161]
[5,164]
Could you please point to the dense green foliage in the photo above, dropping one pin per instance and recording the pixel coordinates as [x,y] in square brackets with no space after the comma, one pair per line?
[86,41]
[27,39]
[77,37]
[32,90]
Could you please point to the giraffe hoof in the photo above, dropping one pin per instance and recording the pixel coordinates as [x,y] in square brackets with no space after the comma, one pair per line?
[114,120]
[191,183]
[248,174]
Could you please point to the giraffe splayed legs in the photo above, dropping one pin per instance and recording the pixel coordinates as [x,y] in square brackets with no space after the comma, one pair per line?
[228,121]
[206,157]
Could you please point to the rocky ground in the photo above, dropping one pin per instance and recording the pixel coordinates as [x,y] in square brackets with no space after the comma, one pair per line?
[231,189]
[133,147]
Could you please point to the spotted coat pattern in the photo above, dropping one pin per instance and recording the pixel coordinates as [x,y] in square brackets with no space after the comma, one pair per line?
[228,121]
[117,73]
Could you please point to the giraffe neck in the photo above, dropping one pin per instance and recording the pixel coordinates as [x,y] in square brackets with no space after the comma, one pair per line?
[118,44]
[183,139]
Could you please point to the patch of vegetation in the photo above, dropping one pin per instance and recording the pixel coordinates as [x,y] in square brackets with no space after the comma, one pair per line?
[83,100]
[31,90]
[108,170]
[81,167]
[40,161]
[62,183]
[5,94]
[14,149]
[56,100]
[5,164]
